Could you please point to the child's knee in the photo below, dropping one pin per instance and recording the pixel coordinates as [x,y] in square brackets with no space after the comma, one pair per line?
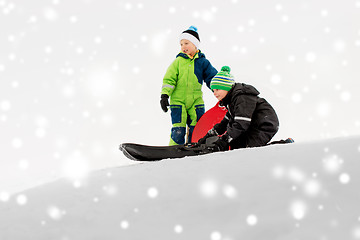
[178,135]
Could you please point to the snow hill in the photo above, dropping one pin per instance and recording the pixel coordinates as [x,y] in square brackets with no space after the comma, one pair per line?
[295,191]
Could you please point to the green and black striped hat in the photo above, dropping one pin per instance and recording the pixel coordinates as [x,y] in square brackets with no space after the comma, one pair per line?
[223,80]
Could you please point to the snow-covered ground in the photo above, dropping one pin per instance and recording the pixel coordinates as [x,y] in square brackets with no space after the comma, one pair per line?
[294,191]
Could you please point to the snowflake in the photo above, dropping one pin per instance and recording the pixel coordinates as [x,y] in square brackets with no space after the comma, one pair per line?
[251,220]
[178,229]
[4,196]
[229,191]
[209,188]
[298,209]
[21,199]
[17,143]
[344,178]
[5,105]
[332,164]
[152,192]
[215,235]
[55,213]
[124,224]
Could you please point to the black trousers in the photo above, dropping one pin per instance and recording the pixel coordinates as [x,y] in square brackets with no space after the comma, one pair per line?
[253,138]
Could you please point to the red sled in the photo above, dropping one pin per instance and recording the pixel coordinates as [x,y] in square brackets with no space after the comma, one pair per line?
[207,121]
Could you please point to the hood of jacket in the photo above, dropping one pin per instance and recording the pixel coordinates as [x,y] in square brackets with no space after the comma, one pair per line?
[239,89]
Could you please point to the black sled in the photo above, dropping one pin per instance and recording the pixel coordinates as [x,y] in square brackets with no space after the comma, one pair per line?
[140,152]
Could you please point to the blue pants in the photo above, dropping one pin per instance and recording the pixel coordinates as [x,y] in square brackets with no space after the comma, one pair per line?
[180,117]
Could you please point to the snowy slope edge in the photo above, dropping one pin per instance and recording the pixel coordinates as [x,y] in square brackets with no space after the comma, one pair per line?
[295,191]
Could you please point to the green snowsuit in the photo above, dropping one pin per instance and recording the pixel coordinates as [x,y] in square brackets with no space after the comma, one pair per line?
[182,82]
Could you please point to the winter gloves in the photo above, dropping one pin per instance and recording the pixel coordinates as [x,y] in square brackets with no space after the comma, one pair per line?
[164,102]
[212,132]
[223,143]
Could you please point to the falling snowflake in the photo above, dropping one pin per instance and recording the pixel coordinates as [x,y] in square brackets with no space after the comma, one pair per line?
[17,143]
[356,233]
[296,97]
[229,191]
[296,175]
[4,196]
[339,46]
[279,7]
[209,188]
[110,190]
[5,105]
[178,229]
[21,199]
[291,58]
[285,18]
[344,178]
[73,19]
[275,78]
[136,70]
[324,13]
[251,22]
[152,192]
[323,109]
[206,15]
[332,164]
[298,209]
[50,14]
[124,224]
[98,40]
[310,57]
[40,132]
[278,172]
[215,235]
[23,164]
[252,220]
[128,6]
[172,10]
[241,29]
[48,49]
[55,213]
[312,187]
[345,96]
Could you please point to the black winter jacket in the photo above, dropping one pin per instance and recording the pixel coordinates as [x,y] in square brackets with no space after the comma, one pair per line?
[247,114]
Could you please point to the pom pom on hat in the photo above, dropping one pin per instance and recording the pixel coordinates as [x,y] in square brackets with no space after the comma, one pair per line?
[223,80]
[225,69]
[192,35]
[193,28]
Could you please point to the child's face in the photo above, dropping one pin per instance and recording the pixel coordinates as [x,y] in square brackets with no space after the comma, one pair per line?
[188,47]
[220,94]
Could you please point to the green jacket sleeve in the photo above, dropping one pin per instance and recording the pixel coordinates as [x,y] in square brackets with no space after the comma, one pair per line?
[170,79]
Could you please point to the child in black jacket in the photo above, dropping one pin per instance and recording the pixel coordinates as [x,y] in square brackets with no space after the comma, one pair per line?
[250,121]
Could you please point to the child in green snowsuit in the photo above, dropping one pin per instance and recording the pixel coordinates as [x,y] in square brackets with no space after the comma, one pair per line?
[182,83]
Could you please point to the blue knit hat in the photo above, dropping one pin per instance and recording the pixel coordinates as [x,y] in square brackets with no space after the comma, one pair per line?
[223,80]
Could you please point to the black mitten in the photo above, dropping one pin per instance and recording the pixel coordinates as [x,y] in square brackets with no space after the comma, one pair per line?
[223,143]
[212,132]
[164,102]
